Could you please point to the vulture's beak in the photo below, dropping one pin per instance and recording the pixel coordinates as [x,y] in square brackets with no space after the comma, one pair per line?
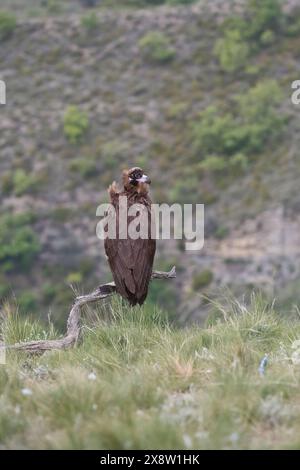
[144,179]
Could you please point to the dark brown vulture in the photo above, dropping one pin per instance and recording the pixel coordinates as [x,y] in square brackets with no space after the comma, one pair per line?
[131,260]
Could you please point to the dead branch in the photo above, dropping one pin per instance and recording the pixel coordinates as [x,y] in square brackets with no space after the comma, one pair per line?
[74,319]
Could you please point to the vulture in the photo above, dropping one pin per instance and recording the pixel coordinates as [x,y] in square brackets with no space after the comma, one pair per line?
[131,260]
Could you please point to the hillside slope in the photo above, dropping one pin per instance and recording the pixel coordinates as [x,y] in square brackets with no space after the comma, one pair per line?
[142,100]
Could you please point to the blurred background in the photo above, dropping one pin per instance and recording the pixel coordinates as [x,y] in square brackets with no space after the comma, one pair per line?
[197,93]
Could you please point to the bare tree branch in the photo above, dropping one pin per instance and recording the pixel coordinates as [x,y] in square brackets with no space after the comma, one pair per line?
[74,320]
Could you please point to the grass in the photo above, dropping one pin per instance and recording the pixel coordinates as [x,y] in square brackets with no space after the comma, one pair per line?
[137,382]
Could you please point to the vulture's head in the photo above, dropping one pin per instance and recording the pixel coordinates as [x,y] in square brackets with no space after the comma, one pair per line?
[135,179]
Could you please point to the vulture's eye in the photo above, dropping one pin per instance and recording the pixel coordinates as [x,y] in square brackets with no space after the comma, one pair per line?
[136,175]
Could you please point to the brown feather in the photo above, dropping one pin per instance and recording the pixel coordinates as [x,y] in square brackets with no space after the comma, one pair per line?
[131,261]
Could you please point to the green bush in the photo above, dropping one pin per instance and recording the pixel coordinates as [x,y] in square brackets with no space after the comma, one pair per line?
[24,182]
[90,21]
[202,279]
[212,130]
[244,35]
[293,23]
[8,24]
[263,15]
[259,114]
[18,242]
[232,51]
[19,182]
[267,37]
[48,292]
[253,121]
[76,124]
[27,302]
[156,47]
[239,161]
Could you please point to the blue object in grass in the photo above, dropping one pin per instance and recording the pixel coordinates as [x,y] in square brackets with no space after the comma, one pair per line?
[263,365]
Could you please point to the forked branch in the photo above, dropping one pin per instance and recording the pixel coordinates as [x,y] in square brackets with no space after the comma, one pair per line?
[74,319]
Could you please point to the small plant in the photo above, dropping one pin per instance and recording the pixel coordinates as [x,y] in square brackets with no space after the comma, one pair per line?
[202,279]
[8,24]
[27,302]
[156,47]
[18,242]
[212,130]
[90,22]
[231,138]
[267,38]
[24,182]
[232,51]
[76,124]
[263,15]
[263,20]
[19,182]
[74,278]
[4,289]
[293,23]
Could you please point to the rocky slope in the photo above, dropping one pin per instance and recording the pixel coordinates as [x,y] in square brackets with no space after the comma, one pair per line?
[141,111]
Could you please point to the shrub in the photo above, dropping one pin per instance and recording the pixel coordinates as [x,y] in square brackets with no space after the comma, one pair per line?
[263,15]
[263,19]
[202,279]
[267,37]
[259,114]
[8,24]
[239,161]
[48,292]
[293,23]
[27,302]
[18,242]
[232,51]
[212,130]
[156,47]
[24,182]
[19,182]
[76,123]
[6,183]
[253,122]
[90,21]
